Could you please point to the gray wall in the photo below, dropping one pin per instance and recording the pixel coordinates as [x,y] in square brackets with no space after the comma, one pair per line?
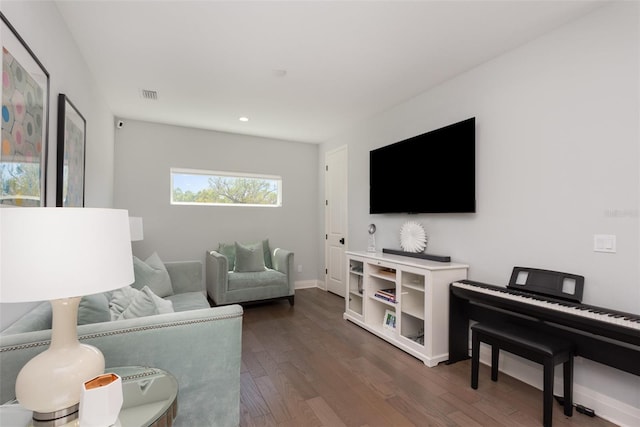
[145,152]
[42,28]
[558,160]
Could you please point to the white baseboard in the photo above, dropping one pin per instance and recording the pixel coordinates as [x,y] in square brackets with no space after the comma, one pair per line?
[607,408]
[306,284]
[528,372]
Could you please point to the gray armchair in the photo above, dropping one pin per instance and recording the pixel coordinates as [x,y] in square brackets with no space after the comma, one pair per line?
[229,283]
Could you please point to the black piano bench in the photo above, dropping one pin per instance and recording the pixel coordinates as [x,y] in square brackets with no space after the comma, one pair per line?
[532,344]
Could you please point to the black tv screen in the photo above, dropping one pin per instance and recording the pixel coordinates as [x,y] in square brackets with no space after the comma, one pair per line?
[430,173]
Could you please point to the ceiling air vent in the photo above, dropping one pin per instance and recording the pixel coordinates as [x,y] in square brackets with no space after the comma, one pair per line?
[149,94]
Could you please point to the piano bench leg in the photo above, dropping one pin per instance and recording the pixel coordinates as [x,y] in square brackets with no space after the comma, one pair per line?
[547,391]
[495,359]
[475,360]
[567,373]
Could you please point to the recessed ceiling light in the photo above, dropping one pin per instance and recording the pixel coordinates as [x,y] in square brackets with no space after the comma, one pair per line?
[244,119]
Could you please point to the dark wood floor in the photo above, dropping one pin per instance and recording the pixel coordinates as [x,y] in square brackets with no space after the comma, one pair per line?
[306,366]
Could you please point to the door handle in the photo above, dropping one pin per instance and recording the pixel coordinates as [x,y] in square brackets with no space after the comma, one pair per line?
[342,240]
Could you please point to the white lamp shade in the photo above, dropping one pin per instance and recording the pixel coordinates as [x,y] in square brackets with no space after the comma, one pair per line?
[52,253]
[137,231]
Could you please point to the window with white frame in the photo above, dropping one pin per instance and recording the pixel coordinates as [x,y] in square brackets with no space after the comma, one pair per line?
[215,188]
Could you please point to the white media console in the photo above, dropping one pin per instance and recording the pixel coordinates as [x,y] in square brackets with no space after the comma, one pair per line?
[403,300]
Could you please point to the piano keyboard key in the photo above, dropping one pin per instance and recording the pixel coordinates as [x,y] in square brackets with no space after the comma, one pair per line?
[629,321]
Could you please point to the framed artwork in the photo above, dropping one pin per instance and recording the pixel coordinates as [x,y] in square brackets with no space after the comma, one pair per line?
[72,130]
[25,119]
[389,321]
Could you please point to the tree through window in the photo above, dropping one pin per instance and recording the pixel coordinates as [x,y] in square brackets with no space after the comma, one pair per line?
[224,188]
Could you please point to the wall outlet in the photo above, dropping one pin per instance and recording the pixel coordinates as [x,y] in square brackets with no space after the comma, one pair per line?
[299,268]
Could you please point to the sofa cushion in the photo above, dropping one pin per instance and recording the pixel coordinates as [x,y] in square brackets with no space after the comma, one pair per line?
[267,254]
[129,303]
[94,309]
[250,280]
[229,251]
[37,319]
[152,273]
[188,301]
[249,258]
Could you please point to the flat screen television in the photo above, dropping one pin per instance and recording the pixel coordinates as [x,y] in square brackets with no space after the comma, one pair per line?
[430,173]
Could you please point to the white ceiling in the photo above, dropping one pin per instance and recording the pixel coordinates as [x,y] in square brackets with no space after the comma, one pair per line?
[299,70]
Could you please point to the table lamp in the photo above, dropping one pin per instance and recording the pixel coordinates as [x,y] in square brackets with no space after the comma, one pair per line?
[61,254]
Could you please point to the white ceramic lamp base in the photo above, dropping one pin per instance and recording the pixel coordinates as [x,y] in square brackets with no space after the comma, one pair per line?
[52,381]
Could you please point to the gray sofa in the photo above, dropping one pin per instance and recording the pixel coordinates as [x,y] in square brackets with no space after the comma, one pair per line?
[199,345]
[226,285]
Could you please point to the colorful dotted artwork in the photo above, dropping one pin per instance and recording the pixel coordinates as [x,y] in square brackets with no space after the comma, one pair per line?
[22,133]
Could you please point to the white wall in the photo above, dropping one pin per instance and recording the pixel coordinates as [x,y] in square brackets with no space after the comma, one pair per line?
[145,152]
[558,160]
[41,26]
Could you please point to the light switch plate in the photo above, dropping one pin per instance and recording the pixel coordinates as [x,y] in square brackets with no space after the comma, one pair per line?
[604,243]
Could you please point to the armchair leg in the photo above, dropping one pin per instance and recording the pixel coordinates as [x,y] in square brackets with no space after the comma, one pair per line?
[291,300]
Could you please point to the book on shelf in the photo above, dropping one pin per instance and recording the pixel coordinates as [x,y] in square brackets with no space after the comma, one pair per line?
[386,294]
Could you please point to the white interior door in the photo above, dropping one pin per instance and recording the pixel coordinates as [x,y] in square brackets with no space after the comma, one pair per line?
[335,219]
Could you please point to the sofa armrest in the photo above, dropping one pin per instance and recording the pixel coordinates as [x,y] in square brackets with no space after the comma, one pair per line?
[283,262]
[186,276]
[213,337]
[217,271]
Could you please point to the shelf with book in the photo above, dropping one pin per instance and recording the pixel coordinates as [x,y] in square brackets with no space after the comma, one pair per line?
[406,301]
[381,281]
[386,295]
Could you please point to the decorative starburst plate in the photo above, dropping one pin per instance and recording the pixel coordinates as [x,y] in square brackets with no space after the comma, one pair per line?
[413,237]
